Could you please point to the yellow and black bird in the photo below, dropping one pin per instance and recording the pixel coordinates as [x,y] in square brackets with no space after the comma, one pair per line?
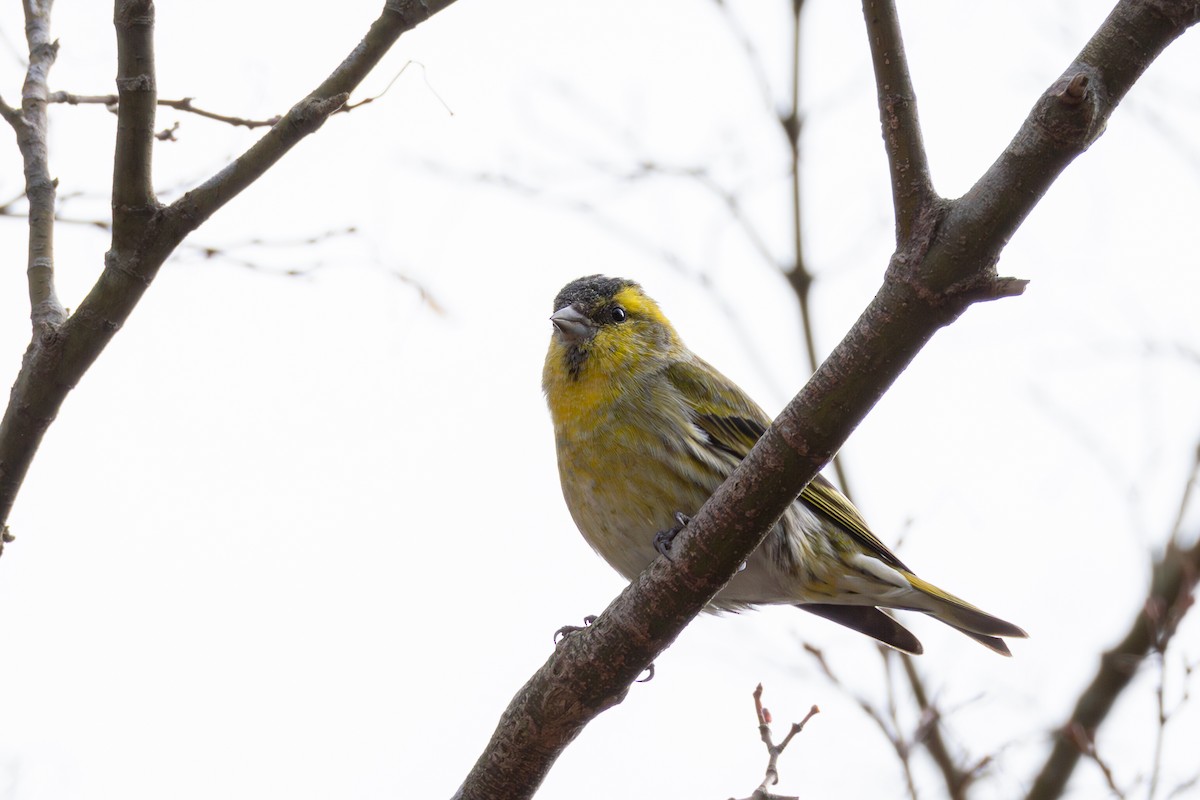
[646,430]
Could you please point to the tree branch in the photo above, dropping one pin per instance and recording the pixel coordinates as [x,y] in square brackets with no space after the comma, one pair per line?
[112,101]
[25,419]
[1172,585]
[935,275]
[30,125]
[146,233]
[957,780]
[1064,122]
[912,186]
[774,751]
[1171,594]
[798,275]
[133,200]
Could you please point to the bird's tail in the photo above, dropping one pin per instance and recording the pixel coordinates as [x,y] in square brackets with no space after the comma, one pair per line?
[964,617]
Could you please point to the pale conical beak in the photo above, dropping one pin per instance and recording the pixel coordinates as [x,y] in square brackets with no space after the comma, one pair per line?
[571,325]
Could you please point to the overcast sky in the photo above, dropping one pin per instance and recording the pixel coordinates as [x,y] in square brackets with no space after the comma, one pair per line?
[301,535]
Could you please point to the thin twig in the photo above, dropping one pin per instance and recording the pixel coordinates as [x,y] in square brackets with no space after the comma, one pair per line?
[753,58]
[890,732]
[900,743]
[774,750]
[424,76]
[1186,498]
[626,234]
[1160,733]
[1086,745]
[112,102]
[957,780]
[797,273]
[187,104]
[1173,581]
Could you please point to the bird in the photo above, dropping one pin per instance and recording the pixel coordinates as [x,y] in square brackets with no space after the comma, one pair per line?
[645,431]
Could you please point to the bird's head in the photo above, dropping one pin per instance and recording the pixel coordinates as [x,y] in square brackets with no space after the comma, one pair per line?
[607,327]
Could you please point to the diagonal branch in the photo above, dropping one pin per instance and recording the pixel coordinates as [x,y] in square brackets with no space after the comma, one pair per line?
[928,284]
[912,186]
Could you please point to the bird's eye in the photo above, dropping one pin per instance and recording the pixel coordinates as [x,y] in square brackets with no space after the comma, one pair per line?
[617,314]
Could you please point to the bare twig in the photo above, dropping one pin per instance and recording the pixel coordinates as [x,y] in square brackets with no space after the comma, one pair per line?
[774,750]
[1160,732]
[887,722]
[1172,584]
[753,58]
[1086,745]
[1183,787]
[1185,498]
[797,272]
[187,104]
[956,779]
[1160,644]
[424,76]
[112,102]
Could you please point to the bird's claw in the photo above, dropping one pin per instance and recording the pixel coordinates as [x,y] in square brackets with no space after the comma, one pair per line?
[663,539]
[567,630]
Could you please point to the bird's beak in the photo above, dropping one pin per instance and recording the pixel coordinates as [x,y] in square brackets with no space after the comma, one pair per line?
[572,325]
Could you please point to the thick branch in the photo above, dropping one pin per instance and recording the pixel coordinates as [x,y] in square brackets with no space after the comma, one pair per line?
[912,186]
[925,288]
[144,233]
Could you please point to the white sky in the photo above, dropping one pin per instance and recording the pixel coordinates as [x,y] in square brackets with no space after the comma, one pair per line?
[302,536]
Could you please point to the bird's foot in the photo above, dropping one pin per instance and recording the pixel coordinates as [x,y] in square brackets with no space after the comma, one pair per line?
[663,539]
[567,630]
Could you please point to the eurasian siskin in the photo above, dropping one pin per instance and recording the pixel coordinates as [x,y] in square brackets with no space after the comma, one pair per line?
[645,429]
